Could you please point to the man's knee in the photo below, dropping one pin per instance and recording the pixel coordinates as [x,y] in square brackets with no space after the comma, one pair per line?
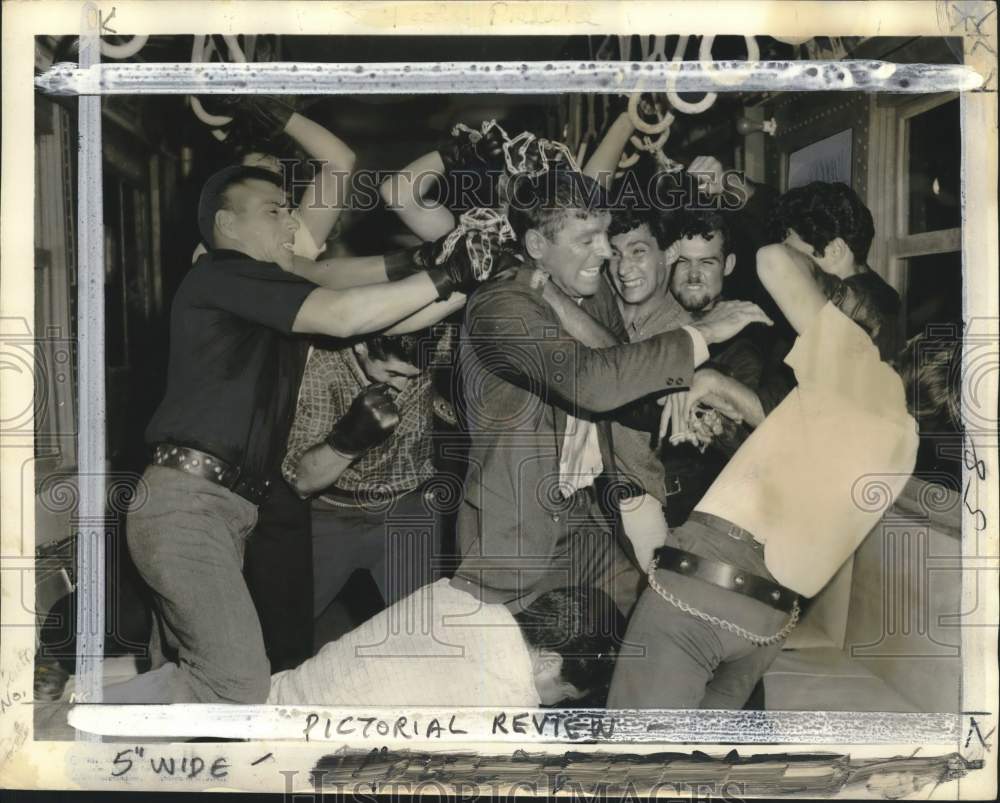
[244,682]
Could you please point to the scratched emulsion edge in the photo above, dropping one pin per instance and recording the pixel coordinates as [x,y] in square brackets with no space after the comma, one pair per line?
[979,690]
[983,246]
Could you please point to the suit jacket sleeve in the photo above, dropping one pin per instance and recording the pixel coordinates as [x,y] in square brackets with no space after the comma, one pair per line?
[517,337]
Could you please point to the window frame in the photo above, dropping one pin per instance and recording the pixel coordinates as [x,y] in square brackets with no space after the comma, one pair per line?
[888,185]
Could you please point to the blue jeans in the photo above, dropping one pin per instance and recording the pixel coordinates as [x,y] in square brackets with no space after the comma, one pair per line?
[687,662]
[187,539]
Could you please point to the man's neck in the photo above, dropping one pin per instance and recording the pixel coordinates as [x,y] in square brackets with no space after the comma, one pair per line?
[633,314]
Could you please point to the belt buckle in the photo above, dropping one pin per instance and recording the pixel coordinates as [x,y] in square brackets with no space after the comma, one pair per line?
[673,486]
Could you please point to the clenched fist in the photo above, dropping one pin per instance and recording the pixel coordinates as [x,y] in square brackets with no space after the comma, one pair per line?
[371,419]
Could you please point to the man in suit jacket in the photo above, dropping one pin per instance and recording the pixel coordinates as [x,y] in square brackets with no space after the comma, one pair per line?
[533,517]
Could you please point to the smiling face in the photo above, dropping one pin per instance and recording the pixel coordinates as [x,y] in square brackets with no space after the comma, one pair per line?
[699,271]
[573,258]
[257,222]
[637,268]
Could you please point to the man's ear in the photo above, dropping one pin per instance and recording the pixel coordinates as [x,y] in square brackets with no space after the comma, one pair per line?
[535,244]
[729,264]
[836,249]
[224,219]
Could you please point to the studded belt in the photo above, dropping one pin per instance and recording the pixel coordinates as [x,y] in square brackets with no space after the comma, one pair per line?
[731,578]
[211,468]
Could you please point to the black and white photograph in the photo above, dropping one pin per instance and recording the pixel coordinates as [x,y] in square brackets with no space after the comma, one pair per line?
[502,396]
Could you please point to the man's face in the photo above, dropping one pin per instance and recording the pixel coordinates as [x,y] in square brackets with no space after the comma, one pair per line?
[699,271]
[261,222]
[391,371]
[637,268]
[574,257]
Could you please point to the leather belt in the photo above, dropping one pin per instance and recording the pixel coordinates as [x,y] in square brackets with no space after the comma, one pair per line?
[211,468]
[731,578]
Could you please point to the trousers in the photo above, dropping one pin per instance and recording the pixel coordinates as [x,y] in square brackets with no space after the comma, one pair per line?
[685,662]
[187,538]
[278,571]
[588,553]
[399,545]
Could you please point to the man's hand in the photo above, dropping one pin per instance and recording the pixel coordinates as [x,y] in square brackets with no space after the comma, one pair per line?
[708,172]
[371,419]
[672,254]
[255,117]
[727,319]
[473,151]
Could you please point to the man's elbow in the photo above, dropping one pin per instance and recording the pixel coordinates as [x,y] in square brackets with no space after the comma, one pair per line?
[772,263]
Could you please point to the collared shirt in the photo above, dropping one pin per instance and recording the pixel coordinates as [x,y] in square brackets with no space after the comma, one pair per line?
[580,461]
[332,380]
[668,314]
[234,365]
[637,461]
[816,476]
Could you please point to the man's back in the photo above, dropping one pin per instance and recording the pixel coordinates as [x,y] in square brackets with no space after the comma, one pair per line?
[440,646]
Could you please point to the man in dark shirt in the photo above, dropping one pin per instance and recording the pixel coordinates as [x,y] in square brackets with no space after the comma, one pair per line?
[218,435]
[829,224]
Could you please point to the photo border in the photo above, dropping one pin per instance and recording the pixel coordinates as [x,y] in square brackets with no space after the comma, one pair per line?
[25,763]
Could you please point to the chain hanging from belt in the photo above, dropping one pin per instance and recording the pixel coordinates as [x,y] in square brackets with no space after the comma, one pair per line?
[724,624]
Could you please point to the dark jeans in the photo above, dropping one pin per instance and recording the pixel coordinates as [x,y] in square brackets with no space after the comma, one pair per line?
[187,540]
[278,571]
[399,544]
[690,663]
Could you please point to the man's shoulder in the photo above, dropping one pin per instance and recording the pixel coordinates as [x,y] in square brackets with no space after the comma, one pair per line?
[508,295]
[878,290]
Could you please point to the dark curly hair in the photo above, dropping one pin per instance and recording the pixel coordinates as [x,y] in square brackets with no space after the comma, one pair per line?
[581,624]
[415,348]
[628,219]
[703,222]
[820,212]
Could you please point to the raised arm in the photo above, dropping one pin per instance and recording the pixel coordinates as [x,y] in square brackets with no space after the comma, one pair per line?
[324,198]
[788,277]
[316,459]
[404,192]
[603,164]
[359,310]
[429,315]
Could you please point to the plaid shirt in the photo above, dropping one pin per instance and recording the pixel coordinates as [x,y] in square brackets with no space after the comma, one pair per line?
[331,381]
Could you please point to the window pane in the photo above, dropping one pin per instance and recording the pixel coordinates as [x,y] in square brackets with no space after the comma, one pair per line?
[933,291]
[934,307]
[934,168]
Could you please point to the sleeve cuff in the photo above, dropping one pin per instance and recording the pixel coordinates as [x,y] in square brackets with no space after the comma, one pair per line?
[700,346]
